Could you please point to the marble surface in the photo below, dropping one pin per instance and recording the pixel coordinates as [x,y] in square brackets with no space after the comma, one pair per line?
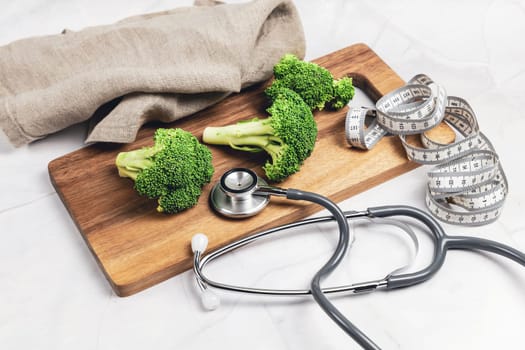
[53,295]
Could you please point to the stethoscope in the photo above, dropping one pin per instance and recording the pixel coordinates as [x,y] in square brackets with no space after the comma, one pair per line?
[241,193]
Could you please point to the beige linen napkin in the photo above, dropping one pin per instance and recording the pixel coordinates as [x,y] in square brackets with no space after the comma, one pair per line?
[164,66]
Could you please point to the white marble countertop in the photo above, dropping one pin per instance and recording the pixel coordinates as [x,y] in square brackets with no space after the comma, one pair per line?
[53,295]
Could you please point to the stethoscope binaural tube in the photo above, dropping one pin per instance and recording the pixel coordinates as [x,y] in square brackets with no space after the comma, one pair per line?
[200,262]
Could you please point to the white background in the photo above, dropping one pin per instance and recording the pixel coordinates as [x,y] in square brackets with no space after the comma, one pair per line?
[53,295]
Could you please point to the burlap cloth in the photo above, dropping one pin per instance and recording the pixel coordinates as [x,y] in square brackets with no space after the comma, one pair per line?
[163,66]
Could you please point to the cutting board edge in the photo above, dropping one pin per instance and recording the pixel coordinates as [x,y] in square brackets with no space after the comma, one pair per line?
[114,286]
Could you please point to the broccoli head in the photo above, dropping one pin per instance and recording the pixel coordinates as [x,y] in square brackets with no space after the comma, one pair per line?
[313,83]
[288,135]
[173,170]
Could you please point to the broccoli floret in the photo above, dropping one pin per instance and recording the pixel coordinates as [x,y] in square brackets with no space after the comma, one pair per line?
[343,93]
[313,83]
[287,135]
[172,171]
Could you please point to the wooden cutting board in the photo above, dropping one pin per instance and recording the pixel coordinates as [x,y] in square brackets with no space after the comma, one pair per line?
[137,247]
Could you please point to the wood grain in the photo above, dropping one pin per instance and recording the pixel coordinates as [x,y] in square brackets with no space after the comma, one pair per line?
[137,247]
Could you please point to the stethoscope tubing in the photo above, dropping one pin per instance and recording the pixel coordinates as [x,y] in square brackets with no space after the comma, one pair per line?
[442,243]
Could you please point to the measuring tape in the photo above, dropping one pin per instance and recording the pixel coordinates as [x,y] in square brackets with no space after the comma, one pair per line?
[467,186]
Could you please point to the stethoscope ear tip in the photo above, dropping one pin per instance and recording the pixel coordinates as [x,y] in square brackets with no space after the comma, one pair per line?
[199,243]
[210,301]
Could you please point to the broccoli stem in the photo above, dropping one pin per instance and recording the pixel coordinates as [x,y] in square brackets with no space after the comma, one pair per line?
[274,150]
[130,164]
[253,135]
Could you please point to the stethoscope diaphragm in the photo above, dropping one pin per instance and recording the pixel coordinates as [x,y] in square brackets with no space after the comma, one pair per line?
[235,195]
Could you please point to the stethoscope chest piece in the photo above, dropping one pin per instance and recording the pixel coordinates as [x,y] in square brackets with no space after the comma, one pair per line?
[235,194]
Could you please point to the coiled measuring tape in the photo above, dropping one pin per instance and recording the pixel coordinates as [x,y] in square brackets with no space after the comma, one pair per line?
[467,186]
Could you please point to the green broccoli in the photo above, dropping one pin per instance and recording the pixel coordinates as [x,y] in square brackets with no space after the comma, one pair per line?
[288,135]
[312,82]
[173,170]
